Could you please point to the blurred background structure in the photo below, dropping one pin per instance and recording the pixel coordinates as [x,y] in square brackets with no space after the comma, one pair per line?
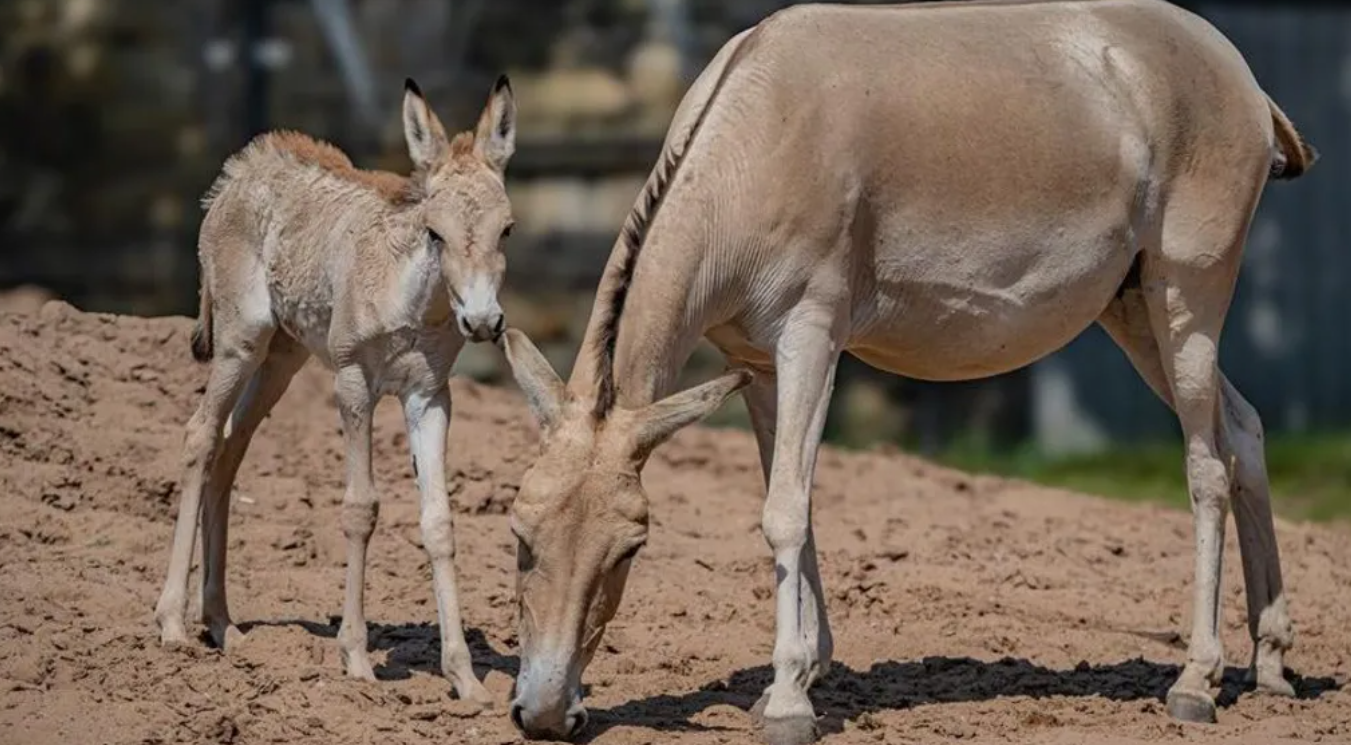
[116,114]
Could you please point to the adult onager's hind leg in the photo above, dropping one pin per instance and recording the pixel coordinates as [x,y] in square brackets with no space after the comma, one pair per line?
[1170,330]
[265,387]
[360,508]
[805,360]
[1268,620]
[1240,432]
[428,417]
[235,361]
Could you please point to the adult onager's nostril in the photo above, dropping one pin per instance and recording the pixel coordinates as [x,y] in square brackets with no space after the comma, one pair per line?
[499,325]
[576,723]
[464,326]
[516,719]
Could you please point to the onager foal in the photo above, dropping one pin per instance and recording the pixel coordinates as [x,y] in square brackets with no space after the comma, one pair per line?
[946,191]
[302,254]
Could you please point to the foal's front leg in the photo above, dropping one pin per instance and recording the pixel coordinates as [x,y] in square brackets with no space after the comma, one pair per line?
[428,416]
[360,508]
[806,357]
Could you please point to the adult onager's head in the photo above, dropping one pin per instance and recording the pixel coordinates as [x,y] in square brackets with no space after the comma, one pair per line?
[579,528]
[464,204]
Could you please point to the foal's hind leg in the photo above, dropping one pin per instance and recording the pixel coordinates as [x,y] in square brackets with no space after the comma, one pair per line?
[266,386]
[238,355]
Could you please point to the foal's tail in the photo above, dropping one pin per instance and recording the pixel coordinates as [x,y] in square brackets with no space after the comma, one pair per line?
[201,332]
[1294,156]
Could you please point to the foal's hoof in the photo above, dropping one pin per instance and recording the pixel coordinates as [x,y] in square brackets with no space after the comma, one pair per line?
[1187,706]
[798,730]
[476,694]
[1275,686]
[172,635]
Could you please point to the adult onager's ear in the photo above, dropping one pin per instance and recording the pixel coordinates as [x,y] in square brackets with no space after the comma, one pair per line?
[427,141]
[660,420]
[543,389]
[495,137]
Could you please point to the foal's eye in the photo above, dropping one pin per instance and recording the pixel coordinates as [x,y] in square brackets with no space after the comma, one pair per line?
[507,230]
[435,237]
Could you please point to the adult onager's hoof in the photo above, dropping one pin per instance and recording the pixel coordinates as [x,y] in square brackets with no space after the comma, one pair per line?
[795,730]
[227,637]
[1189,706]
[757,711]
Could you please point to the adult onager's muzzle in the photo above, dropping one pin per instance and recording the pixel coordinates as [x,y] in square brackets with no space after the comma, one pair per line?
[551,711]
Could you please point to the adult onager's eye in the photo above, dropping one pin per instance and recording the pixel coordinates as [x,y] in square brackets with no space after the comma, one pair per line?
[632,552]
[435,237]
[525,558]
[507,230]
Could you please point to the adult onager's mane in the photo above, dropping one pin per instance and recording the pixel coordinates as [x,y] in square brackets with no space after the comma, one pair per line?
[634,233]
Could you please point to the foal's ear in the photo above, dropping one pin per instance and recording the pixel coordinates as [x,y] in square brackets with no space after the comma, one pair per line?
[495,137]
[543,389]
[427,141]
[657,422]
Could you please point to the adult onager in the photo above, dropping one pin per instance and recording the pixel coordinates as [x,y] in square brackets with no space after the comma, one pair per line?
[302,254]
[947,191]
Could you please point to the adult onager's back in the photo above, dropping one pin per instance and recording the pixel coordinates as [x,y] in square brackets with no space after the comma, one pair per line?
[302,254]
[947,191]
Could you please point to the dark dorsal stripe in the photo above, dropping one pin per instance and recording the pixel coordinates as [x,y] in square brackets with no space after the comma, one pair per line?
[634,233]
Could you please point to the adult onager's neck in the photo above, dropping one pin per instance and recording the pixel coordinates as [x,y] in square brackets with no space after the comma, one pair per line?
[663,286]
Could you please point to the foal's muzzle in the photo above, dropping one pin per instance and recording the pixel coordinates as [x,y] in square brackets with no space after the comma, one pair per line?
[482,326]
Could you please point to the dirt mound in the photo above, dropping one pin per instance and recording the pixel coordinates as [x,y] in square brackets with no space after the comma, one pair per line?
[963,608]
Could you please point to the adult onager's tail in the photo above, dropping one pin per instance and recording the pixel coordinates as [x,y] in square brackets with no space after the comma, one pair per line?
[201,333]
[1295,156]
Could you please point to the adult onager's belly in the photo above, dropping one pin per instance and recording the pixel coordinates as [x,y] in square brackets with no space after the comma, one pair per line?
[971,310]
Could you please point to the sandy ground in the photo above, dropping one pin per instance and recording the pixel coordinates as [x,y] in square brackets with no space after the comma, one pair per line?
[964,608]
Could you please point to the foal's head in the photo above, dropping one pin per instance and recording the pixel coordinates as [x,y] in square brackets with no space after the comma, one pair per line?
[580,518]
[464,206]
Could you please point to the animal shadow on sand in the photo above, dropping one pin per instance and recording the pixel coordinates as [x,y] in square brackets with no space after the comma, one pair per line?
[845,694]
[410,646]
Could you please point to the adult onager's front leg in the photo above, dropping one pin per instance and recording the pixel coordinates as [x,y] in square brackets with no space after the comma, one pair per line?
[805,359]
[428,416]
[360,508]
[762,403]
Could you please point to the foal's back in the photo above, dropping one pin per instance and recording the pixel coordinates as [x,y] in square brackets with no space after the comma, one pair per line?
[289,220]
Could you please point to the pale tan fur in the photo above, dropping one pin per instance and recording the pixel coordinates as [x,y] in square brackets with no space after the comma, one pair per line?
[305,255]
[947,191]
